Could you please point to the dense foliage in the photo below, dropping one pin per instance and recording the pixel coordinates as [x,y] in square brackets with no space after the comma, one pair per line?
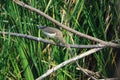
[25,59]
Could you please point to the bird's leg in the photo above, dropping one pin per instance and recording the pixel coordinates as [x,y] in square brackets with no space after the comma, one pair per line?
[57,42]
[67,45]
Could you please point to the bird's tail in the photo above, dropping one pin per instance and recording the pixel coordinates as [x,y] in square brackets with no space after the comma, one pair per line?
[67,45]
[69,49]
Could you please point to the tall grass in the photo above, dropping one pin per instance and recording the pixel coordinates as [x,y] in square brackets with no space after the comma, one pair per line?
[26,59]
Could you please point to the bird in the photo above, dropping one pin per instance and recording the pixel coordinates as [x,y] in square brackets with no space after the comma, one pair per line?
[55,34]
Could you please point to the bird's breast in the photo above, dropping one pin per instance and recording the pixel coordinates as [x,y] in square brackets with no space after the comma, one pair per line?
[51,35]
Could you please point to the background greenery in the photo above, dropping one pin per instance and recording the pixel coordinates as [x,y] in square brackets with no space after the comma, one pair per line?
[26,59]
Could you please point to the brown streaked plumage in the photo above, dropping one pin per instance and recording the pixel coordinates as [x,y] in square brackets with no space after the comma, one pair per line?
[53,33]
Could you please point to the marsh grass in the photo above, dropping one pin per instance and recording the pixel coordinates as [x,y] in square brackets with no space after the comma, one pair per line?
[26,59]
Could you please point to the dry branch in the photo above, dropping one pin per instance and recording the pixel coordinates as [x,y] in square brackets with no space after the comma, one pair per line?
[64,26]
[69,61]
[47,41]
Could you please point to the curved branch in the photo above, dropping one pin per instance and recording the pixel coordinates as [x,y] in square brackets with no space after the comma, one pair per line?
[47,41]
[68,61]
[64,26]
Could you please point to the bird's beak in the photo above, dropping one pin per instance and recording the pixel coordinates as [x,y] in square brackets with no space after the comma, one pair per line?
[41,27]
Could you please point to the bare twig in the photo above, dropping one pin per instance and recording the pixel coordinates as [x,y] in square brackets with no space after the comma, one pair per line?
[65,27]
[68,61]
[87,72]
[110,79]
[49,42]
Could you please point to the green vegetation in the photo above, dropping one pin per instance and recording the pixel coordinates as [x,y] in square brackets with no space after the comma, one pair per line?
[23,59]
